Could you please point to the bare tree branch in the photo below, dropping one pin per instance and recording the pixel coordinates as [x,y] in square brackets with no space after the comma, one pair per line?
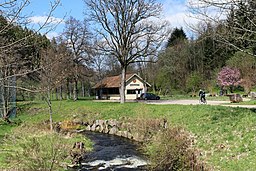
[128,29]
[234,21]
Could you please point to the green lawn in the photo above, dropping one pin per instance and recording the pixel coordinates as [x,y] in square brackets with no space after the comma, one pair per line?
[226,136]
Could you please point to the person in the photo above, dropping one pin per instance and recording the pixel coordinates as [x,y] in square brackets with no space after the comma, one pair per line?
[202,96]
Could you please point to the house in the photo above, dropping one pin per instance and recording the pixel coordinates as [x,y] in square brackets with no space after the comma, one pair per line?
[108,88]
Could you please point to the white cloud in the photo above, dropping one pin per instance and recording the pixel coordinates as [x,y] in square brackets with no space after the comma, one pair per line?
[181,19]
[42,20]
[216,9]
[205,3]
[51,35]
[178,15]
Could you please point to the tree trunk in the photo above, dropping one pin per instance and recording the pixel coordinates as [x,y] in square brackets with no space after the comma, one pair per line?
[48,100]
[50,112]
[68,90]
[61,95]
[57,95]
[123,84]
[3,102]
[231,89]
[75,91]
[154,87]
[83,90]
[89,89]
[52,95]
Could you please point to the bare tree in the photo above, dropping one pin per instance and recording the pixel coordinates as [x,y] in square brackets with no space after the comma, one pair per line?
[15,38]
[129,28]
[77,38]
[99,62]
[234,21]
[52,74]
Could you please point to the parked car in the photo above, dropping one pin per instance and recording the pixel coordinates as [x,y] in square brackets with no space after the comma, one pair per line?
[148,96]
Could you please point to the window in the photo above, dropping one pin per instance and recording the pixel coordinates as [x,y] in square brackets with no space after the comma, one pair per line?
[110,91]
[113,91]
[131,91]
[135,85]
[134,91]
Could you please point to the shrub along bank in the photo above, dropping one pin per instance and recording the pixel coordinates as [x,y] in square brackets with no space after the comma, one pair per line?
[223,136]
[35,148]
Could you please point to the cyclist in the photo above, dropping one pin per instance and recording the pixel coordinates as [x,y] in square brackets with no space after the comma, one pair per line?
[202,96]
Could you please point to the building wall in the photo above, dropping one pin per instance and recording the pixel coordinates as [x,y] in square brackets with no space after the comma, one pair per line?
[134,88]
[114,97]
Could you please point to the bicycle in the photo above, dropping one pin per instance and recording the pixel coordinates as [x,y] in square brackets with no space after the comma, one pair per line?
[202,101]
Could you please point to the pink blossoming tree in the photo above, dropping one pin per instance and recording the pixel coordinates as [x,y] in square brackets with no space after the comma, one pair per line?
[229,77]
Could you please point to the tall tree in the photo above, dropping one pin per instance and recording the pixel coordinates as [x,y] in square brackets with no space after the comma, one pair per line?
[77,38]
[129,29]
[236,20]
[213,53]
[177,36]
[18,47]
[247,66]
[54,71]
[173,68]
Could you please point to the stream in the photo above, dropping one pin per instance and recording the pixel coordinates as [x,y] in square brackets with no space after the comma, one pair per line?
[113,153]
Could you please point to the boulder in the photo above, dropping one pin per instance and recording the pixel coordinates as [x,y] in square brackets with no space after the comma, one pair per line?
[113,130]
[97,122]
[129,135]
[93,127]
[119,133]
[124,134]
[101,129]
[106,130]
[112,123]
[97,128]
[101,122]
[88,128]
[235,98]
[253,95]
[138,137]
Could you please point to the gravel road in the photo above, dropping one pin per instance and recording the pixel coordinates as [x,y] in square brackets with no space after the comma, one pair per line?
[196,102]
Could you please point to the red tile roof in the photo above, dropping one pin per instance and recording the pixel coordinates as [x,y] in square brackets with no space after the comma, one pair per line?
[111,82]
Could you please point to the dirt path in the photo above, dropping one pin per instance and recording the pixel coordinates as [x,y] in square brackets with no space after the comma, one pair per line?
[196,102]
[186,102]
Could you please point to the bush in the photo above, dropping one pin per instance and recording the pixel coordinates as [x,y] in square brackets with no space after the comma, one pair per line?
[171,150]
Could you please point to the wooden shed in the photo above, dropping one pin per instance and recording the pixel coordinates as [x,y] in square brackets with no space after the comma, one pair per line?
[108,88]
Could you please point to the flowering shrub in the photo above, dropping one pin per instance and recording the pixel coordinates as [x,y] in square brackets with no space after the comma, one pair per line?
[229,77]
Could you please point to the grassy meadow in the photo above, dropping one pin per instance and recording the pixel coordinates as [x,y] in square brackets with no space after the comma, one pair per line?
[225,136]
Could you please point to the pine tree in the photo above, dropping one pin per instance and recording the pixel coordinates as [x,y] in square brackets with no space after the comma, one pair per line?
[177,36]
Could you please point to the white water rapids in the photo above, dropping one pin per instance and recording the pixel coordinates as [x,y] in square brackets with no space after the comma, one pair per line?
[113,153]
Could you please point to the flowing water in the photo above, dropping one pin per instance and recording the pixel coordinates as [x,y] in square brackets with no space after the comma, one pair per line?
[113,153]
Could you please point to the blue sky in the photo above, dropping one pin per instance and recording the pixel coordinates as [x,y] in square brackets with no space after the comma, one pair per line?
[175,11]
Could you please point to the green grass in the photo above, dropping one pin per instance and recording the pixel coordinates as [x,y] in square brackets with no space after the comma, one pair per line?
[5,129]
[29,148]
[225,135]
[251,102]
